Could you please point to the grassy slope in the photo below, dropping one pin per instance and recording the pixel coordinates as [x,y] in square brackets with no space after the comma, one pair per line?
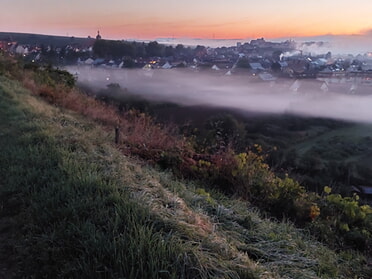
[38,39]
[73,206]
[351,134]
[349,145]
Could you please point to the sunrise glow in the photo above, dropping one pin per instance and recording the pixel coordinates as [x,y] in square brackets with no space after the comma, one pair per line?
[144,19]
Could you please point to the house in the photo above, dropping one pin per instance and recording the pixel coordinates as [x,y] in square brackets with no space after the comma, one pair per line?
[21,50]
[3,45]
[325,73]
[148,71]
[256,67]
[367,66]
[89,61]
[298,67]
[111,64]
[309,86]
[324,87]
[148,66]
[364,192]
[167,65]
[258,42]
[266,77]
[295,86]
[283,64]
[98,62]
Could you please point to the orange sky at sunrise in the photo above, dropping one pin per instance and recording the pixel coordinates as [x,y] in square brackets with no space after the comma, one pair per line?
[145,19]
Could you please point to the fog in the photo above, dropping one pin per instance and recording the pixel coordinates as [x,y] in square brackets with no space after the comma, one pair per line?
[213,88]
[337,44]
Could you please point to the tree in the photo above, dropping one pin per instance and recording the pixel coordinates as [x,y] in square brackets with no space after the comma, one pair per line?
[169,51]
[225,129]
[153,49]
[276,67]
[200,51]
[179,50]
[243,63]
[140,49]
[276,55]
[113,49]
[100,48]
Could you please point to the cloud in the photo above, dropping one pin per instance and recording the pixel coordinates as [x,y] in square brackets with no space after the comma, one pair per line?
[367,32]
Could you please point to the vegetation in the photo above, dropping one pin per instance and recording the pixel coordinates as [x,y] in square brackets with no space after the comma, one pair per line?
[343,216]
[95,213]
[314,151]
[133,50]
[76,216]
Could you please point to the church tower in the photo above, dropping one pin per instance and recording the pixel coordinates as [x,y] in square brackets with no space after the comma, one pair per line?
[98,37]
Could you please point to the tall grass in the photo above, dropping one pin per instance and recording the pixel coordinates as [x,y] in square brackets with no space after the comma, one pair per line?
[277,246]
[78,220]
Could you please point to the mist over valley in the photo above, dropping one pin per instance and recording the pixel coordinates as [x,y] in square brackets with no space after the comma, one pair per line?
[341,99]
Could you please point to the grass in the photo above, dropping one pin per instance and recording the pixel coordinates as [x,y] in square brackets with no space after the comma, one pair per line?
[348,134]
[277,247]
[72,206]
[340,157]
[79,219]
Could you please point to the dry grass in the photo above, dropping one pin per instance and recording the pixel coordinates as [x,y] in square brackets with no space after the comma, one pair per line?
[139,134]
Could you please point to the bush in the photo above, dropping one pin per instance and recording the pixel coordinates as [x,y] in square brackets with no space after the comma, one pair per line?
[52,77]
[343,222]
[246,175]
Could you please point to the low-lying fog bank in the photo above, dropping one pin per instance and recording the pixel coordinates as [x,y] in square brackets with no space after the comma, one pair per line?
[303,97]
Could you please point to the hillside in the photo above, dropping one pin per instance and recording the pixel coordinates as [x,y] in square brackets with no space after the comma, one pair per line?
[317,151]
[74,206]
[39,39]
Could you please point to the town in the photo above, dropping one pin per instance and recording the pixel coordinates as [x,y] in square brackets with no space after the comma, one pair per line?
[257,60]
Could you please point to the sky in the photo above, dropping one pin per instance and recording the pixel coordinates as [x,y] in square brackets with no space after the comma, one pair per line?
[212,19]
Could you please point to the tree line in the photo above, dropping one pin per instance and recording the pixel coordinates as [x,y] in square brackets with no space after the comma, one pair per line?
[120,49]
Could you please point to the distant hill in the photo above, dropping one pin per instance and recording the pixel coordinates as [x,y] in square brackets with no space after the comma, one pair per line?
[39,39]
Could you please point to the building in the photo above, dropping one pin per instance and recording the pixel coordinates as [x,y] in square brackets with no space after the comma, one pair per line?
[98,37]
[364,192]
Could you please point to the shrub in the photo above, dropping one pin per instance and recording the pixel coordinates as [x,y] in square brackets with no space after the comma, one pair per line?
[343,221]
[246,175]
[53,77]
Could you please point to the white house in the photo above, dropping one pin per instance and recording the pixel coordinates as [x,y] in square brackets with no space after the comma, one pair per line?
[166,66]
[20,50]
